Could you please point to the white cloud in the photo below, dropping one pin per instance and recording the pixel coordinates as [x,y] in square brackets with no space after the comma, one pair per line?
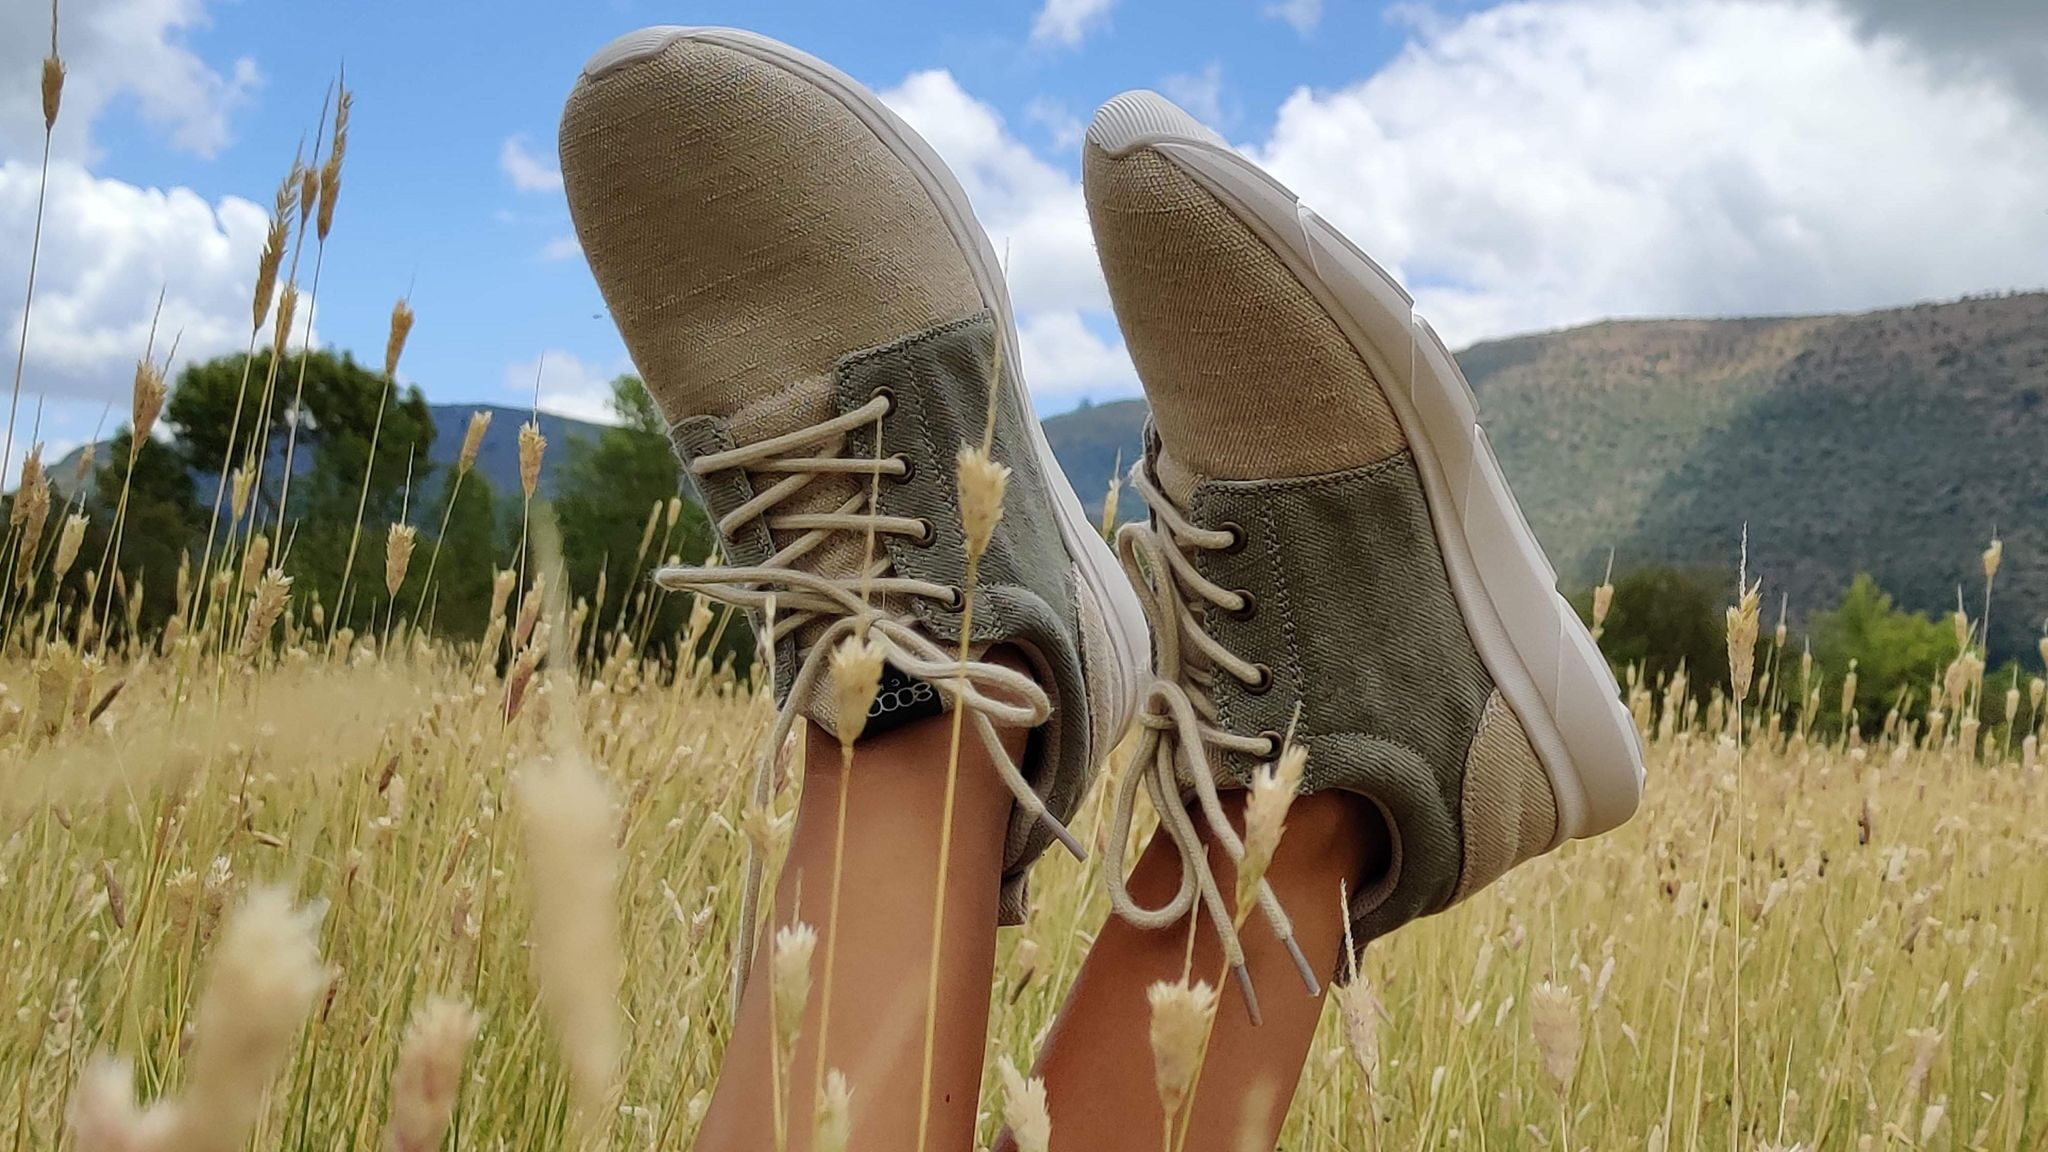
[1034,212]
[1065,360]
[1065,128]
[116,49]
[1030,209]
[562,248]
[1303,15]
[1551,162]
[569,385]
[528,170]
[108,248]
[1201,93]
[1068,22]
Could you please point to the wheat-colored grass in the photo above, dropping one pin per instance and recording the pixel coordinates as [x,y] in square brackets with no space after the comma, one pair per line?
[264,873]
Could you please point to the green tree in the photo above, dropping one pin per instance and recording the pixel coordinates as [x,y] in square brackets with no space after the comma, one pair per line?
[603,498]
[162,522]
[1894,649]
[1662,618]
[461,592]
[336,417]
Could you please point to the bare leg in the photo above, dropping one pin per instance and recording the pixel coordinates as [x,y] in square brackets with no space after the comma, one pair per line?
[1097,1062]
[895,798]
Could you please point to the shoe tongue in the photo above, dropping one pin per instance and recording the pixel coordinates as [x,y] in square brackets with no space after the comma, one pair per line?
[803,405]
[1176,481]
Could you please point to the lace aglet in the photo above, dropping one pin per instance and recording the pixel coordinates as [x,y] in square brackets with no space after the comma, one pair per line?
[1244,986]
[1308,975]
[1060,832]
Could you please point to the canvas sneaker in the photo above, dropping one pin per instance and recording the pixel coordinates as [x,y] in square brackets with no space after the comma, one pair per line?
[796,274]
[1332,544]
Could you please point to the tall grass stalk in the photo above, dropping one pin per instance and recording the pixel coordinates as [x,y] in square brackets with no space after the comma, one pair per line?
[52,94]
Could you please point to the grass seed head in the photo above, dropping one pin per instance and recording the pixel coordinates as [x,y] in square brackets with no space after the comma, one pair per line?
[330,176]
[264,608]
[835,1115]
[309,193]
[53,89]
[264,977]
[1992,556]
[1359,1008]
[395,338]
[398,544]
[1742,625]
[1554,1018]
[238,492]
[1024,1108]
[32,480]
[287,310]
[790,970]
[272,256]
[1181,1014]
[1273,790]
[146,402]
[856,678]
[473,440]
[572,867]
[532,445]
[429,1075]
[103,1117]
[31,510]
[68,540]
[1109,498]
[502,583]
[1923,1043]
[982,484]
[254,557]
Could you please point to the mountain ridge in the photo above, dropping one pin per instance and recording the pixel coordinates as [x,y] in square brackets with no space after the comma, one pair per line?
[1893,441]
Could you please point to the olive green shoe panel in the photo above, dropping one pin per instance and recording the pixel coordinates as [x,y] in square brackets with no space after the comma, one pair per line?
[1025,585]
[694,437]
[1353,612]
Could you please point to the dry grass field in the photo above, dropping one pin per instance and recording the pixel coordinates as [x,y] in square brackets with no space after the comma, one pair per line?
[270,883]
[1843,946]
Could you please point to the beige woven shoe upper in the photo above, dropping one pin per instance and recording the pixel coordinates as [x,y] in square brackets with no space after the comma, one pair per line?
[823,326]
[1314,566]
[747,232]
[1249,377]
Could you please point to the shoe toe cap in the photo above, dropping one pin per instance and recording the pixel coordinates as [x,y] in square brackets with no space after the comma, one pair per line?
[1138,118]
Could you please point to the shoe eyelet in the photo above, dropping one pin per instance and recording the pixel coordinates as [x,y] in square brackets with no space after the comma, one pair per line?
[885,393]
[1237,537]
[909,469]
[1247,610]
[957,598]
[925,533]
[1263,683]
[1275,744]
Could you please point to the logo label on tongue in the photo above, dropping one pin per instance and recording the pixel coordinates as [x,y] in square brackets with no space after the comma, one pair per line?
[901,700]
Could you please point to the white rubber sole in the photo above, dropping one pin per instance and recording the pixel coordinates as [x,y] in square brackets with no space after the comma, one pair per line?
[1100,571]
[1540,655]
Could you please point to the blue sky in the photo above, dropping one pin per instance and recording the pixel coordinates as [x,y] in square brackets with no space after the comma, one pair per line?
[1526,165]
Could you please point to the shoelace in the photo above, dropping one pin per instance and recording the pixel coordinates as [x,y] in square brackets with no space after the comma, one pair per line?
[1178,723]
[991,693]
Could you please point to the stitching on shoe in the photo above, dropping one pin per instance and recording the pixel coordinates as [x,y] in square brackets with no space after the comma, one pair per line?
[1286,606]
[916,339]
[1404,458]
